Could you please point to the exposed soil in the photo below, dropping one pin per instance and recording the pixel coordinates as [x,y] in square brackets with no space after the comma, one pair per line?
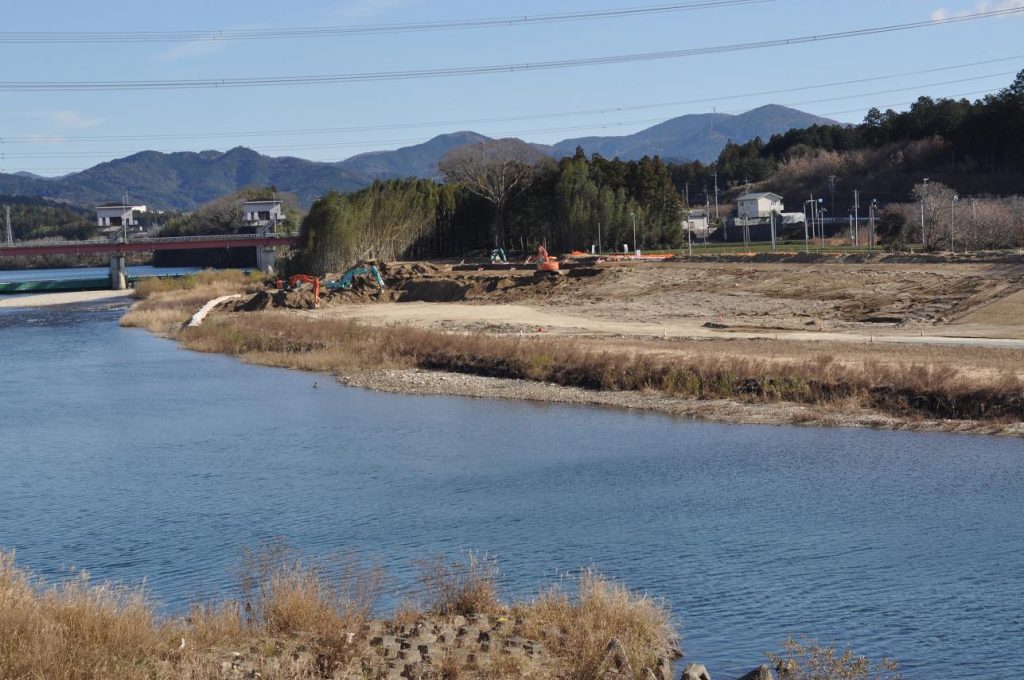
[965,317]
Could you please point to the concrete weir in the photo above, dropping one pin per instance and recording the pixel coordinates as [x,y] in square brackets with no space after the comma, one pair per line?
[118,281]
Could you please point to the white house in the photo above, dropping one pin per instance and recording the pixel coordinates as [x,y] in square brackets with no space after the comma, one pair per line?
[118,215]
[261,213]
[697,222]
[758,206]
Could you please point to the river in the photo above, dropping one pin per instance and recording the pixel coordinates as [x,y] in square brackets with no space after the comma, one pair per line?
[23,275]
[126,456]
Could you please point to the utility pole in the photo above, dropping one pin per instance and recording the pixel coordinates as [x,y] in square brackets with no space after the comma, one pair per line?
[924,195]
[832,190]
[871,223]
[771,219]
[952,212]
[821,221]
[10,235]
[807,246]
[716,196]
[856,216]
[636,246]
[687,195]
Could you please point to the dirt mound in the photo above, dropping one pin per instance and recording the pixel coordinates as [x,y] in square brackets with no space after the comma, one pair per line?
[408,270]
[278,299]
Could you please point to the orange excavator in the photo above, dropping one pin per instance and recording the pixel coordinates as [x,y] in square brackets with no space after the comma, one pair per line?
[306,278]
[545,263]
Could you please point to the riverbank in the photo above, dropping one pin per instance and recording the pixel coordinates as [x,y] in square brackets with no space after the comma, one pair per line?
[54,299]
[893,379]
[302,617]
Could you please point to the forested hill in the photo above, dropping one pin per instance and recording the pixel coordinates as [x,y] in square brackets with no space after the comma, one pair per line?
[695,137]
[186,180]
[976,147]
[36,218]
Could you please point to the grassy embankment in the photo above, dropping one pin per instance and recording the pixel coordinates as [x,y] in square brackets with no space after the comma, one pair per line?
[282,339]
[300,618]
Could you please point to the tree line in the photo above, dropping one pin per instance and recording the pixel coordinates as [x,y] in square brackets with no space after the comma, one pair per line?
[981,137]
[500,194]
[36,218]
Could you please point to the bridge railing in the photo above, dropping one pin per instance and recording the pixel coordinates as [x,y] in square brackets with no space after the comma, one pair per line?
[154,241]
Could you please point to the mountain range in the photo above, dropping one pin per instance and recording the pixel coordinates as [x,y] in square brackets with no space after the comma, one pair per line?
[186,180]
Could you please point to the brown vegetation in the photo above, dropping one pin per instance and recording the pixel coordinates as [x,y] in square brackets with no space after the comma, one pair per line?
[811,660]
[302,618]
[166,304]
[337,346]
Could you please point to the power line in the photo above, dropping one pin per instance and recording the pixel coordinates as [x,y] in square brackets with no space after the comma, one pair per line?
[266,81]
[390,142]
[503,119]
[218,35]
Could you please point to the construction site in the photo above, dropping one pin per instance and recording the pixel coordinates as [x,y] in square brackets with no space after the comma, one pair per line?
[895,341]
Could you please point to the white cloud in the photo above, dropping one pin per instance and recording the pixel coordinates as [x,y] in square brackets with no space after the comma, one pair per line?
[73,120]
[983,6]
[191,50]
[363,9]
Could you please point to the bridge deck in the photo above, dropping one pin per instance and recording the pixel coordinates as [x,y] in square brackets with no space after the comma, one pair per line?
[148,245]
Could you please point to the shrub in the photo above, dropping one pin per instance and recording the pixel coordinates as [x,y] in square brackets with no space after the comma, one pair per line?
[461,587]
[811,660]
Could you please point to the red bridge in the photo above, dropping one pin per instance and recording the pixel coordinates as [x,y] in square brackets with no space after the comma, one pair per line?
[148,245]
[263,243]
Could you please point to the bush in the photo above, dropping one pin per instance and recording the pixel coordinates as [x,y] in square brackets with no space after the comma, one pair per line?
[811,660]
[461,587]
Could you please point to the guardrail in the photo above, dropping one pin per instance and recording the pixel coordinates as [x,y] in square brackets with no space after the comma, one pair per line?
[149,241]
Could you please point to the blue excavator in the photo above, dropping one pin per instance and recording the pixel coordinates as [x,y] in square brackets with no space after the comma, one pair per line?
[346,279]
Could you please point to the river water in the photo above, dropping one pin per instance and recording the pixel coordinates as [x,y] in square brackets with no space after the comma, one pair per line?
[126,456]
[24,275]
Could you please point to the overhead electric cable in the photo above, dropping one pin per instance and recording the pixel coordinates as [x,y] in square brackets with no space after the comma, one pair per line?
[219,35]
[378,143]
[266,81]
[39,139]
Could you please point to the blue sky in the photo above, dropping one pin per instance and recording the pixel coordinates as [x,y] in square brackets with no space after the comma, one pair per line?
[54,133]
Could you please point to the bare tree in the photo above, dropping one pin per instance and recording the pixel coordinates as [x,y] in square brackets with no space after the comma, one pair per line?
[495,170]
[933,205]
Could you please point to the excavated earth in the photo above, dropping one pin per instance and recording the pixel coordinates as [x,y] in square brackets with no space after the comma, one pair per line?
[799,293]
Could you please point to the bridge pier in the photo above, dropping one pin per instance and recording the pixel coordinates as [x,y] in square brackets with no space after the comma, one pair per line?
[265,259]
[117,278]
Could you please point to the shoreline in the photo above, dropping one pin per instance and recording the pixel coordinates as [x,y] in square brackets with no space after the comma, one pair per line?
[35,300]
[455,351]
[421,382]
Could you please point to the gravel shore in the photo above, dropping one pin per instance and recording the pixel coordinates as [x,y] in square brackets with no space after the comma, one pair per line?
[52,299]
[422,382]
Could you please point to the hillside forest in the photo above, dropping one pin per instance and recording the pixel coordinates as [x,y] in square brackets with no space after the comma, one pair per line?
[973,151]
[504,193]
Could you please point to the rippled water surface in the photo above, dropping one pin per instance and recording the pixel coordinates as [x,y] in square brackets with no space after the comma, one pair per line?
[121,454]
[19,275]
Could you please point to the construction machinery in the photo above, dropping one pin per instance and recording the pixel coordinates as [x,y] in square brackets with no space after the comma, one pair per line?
[293,283]
[545,263]
[346,279]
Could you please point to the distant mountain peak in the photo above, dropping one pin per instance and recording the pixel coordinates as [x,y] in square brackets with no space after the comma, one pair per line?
[187,179]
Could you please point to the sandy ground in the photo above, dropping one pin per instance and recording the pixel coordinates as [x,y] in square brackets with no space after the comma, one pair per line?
[51,299]
[972,304]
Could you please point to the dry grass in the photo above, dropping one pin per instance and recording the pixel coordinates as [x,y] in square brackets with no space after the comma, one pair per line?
[301,618]
[583,624]
[76,630]
[811,660]
[911,391]
[166,304]
[461,587]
